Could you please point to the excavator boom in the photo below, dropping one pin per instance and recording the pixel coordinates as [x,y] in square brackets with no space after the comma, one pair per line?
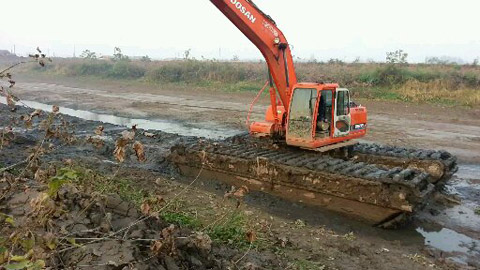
[262,31]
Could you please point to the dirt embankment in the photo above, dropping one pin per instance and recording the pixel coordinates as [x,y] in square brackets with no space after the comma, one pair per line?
[95,229]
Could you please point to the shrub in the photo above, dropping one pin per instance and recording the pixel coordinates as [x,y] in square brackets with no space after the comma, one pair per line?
[387,75]
[88,68]
[126,70]
[193,71]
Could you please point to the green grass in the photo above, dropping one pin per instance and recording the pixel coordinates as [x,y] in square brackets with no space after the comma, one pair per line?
[232,231]
[181,219]
[100,183]
[477,211]
[376,92]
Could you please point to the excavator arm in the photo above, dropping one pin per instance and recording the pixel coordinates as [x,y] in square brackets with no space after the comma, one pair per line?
[262,31]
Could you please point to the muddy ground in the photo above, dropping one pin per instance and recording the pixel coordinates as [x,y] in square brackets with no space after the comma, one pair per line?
[298,237]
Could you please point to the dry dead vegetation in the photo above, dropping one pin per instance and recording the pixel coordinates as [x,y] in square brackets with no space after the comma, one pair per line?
[438,91]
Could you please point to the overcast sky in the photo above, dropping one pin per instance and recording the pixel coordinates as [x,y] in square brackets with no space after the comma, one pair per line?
[344,29]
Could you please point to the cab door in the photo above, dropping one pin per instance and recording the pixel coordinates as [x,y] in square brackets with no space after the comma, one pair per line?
[342,119]
[300,118]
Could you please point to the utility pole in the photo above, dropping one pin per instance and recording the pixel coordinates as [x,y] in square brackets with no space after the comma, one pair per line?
[74,51]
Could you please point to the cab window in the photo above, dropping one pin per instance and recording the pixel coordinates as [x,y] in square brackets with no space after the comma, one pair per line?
[343,101]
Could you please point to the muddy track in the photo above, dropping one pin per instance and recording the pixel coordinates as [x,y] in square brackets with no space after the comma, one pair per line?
[441,165]
[381,184]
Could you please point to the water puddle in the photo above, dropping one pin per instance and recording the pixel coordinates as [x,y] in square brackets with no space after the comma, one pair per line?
[450,241]
[455,230]
[465,186]
[213,132]
[460,246]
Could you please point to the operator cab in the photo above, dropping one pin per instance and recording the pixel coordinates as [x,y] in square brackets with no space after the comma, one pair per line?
[322,114]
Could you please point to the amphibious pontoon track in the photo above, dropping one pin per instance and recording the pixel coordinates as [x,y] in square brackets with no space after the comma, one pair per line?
[382,185]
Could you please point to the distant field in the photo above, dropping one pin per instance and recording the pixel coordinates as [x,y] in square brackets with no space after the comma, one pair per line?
[439,84]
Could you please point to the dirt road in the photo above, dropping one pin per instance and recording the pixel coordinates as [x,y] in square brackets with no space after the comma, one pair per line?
[454,129]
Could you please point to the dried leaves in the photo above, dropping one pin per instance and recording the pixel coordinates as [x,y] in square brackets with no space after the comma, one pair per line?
[7,136]
[167,243]
[123,142]
[138,148]
[251,236]
[156,247]
[145,208]
[40,57]
[27,119]
[152,204]
[96,141]
[11,101]
[99,130]
[120,149]
[55,126]
[238,194]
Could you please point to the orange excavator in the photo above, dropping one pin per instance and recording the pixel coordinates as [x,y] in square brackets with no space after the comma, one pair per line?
[309,115]
[380,184]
